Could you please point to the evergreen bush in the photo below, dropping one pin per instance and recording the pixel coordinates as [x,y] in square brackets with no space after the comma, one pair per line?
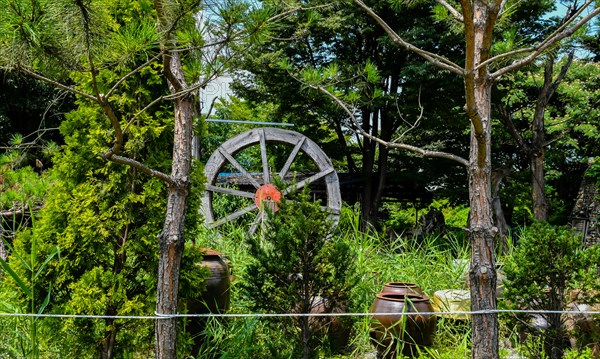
[546,267]
[299,266]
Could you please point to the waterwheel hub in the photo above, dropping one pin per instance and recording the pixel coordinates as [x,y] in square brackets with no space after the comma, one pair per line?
[267,194]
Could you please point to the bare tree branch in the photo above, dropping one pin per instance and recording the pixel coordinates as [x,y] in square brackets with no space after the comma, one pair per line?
[411,126]
[10,213]
[502,6]
[563,32]
[563,71]
[138,165]
[506,119]
[194,87]
[434,59]
[57,84]
[457,15]
[111,154]
[358,128]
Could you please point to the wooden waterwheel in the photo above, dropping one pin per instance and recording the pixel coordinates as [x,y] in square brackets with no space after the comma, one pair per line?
[259,167]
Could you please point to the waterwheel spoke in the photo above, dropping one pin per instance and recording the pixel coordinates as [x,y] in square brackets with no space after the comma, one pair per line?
[263,155]
[306,181]
[231,191]
[259,221]
[235,215]
[291,158]
[332,211]
[239,167]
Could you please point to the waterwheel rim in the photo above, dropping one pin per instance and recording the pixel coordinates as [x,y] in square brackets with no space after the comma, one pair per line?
[264,188]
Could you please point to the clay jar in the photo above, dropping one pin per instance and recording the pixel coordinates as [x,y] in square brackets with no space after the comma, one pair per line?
[335,328]
[401,333]
[401,288]
[216,297]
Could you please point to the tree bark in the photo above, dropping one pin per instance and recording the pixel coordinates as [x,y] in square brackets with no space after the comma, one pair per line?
[479,19]
[538,184]
[171,240]
[482,272]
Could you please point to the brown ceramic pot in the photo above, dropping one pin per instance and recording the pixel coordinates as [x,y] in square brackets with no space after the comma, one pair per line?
[216,297]
[401,288]
[391,334]
[335,328]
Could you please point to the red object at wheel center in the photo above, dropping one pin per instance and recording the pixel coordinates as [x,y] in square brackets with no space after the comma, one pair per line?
[267,193]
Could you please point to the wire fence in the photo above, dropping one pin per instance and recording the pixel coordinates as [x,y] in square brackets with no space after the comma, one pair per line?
[160,316]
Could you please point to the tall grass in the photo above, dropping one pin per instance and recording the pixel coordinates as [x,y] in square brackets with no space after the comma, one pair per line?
[24,269]
[430,262]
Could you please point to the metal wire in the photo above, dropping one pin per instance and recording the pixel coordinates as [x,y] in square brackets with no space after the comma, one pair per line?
[249,122]
[159,316]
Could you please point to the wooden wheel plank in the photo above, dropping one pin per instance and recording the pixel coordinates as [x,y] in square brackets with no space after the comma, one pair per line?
[231,191]
[306,181]
[235,215]
[291,158]
[263,155]
[239,167]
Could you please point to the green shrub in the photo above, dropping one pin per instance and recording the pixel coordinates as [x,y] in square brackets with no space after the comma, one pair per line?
[545,267]
[296,261]
[577,354]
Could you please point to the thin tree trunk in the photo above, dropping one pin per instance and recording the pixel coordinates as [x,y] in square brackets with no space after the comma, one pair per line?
[500,220]
[382,165]
[171,240]
[368,159]
[382,178]
[555,344]
[342,142]
[305,324]
[538,195]
[536,153]
[482,272]
[107,347]
[108,343]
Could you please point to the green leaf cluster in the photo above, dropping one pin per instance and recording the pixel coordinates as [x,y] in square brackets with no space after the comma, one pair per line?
[296,260]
